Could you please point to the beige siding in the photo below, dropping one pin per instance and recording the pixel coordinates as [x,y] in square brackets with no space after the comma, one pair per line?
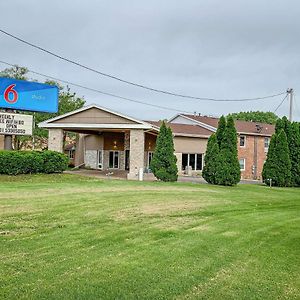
[190,145]
[1,142]
[94,116]
[93,142]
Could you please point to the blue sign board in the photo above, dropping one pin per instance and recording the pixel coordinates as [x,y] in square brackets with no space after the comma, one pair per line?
[26,95]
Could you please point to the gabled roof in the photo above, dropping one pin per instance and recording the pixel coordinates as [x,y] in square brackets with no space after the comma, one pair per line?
[58,122]
[242,127]
[184,129]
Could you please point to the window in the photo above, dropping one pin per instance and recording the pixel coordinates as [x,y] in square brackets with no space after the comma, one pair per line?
[242,162]
[267,142]
[72,154]
[194,160]
[242,141]
[114,159]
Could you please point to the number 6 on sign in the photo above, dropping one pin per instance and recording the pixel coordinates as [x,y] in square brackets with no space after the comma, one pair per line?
[8,91]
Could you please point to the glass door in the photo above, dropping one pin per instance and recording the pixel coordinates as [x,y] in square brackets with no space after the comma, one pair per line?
[114,158]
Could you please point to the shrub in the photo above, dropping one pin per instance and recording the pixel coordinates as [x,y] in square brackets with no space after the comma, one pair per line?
[163,163]
[30,162]
[228,172]
[211,160]
[278,164]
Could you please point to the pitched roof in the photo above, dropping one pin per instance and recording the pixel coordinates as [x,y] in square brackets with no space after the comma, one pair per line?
[246,127]
[58,122]
[184,129]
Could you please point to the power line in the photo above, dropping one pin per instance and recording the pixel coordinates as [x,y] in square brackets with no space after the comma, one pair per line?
[130,82]
[281,103]
[100,92]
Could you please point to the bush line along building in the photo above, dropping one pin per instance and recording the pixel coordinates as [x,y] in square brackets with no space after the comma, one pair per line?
[109,140]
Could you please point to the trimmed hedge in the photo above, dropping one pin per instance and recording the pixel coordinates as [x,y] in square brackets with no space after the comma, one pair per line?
[30,162]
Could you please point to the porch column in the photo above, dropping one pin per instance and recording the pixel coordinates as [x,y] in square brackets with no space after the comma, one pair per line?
[137,149]
[55,140]
[79,150]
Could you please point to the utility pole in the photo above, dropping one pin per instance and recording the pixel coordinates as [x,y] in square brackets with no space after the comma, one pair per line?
[291,96]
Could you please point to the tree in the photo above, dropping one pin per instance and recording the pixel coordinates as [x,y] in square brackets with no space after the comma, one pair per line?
[294,150]
[67,102]
[228,172]
[293,139]
[278,164]
[211,165]
[163,163]
[15,72]
[220,131]
[255,116]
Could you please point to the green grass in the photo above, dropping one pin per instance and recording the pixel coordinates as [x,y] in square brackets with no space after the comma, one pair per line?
[72,237]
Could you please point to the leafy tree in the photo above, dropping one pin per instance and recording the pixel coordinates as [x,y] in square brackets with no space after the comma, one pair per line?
[255,116]
[228,172]
[278,164]
[15,72]
[220,131]
[211,161]
[163,163]
[67,102]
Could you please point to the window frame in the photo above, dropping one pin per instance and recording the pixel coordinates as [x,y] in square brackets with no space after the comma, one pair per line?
[245,138]
[195,161]
[268,139]
[150,153]
[73,153]
[100,155]
[244,168]
[114,157]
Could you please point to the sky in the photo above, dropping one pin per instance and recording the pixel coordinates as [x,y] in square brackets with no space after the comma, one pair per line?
[217,49]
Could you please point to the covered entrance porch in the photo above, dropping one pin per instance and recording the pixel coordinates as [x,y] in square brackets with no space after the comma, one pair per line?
[106,141]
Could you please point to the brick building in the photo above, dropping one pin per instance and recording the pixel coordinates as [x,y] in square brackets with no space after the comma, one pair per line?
[109,140]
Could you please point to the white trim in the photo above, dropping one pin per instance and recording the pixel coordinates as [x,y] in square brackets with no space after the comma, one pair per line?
[95,126]
[214,129]
[211,128]
[244,164]
[177,115]
[254,133]
[195,164]
[148,163]
[89,107]
[100,153]
[191,135]
[114,151]
[245,140]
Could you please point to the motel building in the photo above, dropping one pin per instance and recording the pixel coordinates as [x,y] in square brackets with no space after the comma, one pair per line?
[111,141]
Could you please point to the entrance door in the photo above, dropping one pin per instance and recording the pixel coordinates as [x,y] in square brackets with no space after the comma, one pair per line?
[127,160]
[114,159]
[150,155]
[100,159]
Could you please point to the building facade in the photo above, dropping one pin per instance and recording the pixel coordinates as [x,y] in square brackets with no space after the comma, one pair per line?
[108,140]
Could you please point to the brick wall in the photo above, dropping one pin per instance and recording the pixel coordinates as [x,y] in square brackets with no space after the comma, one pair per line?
[248,153]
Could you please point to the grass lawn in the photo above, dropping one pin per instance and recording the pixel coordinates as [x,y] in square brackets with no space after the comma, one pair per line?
[72,237]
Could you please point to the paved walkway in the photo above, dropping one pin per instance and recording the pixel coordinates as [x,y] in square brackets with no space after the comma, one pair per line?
[122,175]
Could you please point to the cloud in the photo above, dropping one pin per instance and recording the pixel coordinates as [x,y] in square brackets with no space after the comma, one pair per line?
[222,49]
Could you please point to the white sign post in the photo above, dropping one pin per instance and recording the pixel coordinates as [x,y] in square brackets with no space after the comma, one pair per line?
[15,124]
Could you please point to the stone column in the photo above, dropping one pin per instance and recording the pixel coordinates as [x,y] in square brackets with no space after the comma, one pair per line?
[179,163]
[55,140]
[79,150]
[137,145]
